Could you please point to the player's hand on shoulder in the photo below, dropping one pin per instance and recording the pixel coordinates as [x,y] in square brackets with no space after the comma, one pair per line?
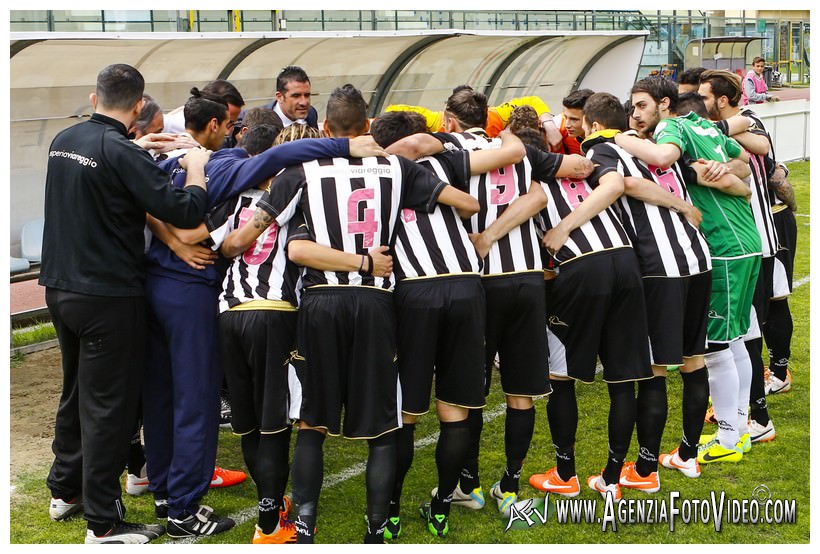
[364,147]
[195,157]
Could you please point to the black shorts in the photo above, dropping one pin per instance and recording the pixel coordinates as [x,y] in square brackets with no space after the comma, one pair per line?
[598,310]
[677,310]
[256,345]
[441,330]
[786,226]
[346,338]
[515,330]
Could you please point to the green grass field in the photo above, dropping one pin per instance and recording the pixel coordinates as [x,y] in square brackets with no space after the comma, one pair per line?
[782,465]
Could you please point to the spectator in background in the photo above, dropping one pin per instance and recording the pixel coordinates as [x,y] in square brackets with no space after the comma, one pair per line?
[755,90]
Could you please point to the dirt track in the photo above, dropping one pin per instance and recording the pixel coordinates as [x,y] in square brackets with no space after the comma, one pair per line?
[35,393]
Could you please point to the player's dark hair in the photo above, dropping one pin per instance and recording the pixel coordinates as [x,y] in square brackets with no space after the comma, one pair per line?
[531,136]
[459,88]
[259,138]
[692,102]
[691,76]
[607,110]
[469,107]
[724,83]
[119,86]
[149,111]
[199,111]
[260,116]
[289,74]
[222,90]
[659,87]
[392,126]
[577,99]
[346,111]
[758,59]
[524,117]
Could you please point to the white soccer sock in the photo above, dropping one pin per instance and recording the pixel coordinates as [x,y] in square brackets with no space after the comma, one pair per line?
[723,388]
[744,374]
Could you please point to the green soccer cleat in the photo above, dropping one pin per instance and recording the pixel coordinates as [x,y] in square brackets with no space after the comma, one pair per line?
[392,529]
[437,524]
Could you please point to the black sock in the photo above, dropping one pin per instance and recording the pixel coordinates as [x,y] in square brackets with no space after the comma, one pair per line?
[778,334]
[650,421]
[694,405]
[379,479]
[622,407]
[562,415]
[518,429]
[451,449]
[136,455]
[470,478]
[271,476]
[758,410]
[308,471]
[404,459]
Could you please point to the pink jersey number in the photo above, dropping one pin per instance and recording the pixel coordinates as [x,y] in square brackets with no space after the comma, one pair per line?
[367,226]
[408,215]
[576,191]
[263,246]
[502,183]
[667,179]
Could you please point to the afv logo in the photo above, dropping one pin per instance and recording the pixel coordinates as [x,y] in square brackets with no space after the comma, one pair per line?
[528,513]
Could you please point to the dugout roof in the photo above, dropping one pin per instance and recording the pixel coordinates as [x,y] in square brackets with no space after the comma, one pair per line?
[52,74]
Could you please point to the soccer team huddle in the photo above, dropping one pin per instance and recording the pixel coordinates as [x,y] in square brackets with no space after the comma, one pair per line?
[421,253]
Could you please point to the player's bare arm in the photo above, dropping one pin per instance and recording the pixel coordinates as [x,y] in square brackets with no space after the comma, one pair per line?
[522,208]
[661,155]
[649,192]
[241,239]
[574,166]
[465,205]
[756,144]
[511,152]
[610,188]
[307,253]
[728,183]
[782,188]
[365,146]
[416,146]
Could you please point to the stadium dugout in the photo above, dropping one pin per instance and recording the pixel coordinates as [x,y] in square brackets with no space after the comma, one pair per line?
[52,75]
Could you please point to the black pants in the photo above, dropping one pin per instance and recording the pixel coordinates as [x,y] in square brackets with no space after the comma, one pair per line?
[103,346]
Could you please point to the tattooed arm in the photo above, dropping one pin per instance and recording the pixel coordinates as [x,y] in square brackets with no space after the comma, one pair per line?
[782,188]
[241,239]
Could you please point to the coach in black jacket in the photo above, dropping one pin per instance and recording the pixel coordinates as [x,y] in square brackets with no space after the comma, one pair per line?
[98,187]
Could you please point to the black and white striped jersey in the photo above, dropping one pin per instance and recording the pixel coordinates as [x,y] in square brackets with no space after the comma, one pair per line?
[519,250]
[436,243]
[665,243]
[263,271]
[351,205]
[468,140]
[603,232]
[761,195]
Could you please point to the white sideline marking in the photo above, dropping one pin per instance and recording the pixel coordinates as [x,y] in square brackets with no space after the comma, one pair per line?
[802,215]
[250,513]
[802,281]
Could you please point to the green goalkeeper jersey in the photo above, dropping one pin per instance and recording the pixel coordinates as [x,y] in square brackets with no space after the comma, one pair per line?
[728,223]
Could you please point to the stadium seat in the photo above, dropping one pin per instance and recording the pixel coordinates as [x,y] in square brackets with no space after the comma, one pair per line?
[31,240]
[18,265]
